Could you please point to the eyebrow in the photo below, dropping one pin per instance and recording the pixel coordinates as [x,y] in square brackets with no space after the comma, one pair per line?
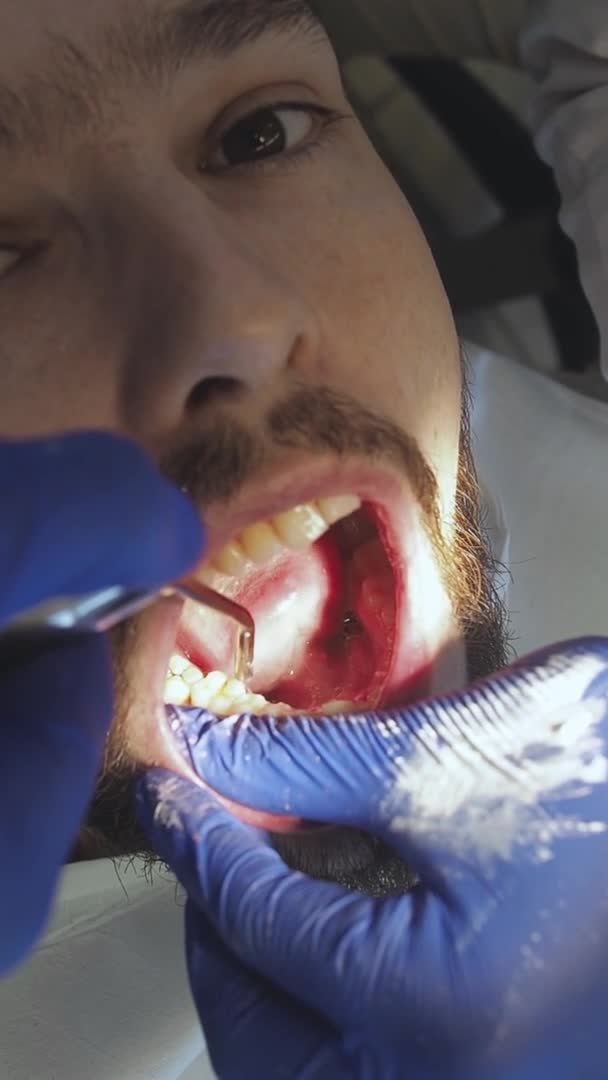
[147,49]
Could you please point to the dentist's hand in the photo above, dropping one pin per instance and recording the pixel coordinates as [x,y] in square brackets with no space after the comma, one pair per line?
[495,965]
[79,513]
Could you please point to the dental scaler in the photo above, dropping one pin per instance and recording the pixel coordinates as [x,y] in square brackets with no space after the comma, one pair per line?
[102,611]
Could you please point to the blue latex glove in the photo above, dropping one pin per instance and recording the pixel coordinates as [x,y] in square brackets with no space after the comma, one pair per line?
[79,513]
[495,965]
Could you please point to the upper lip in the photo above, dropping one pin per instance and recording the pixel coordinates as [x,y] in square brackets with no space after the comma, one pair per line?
[302,480]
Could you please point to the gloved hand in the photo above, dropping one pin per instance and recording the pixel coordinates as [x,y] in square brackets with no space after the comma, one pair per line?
[79,513]
[490,967]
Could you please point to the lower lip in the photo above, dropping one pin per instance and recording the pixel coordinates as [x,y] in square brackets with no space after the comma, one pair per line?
[260,820]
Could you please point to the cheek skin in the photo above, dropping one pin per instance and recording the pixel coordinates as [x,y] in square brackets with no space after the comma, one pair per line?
[388,335]
[58,345]
[354,253]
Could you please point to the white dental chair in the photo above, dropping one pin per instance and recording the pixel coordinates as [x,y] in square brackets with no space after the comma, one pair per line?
[541,450]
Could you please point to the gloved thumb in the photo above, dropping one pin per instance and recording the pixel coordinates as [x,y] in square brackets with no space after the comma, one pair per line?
[268,934]
[248,1019]
[523,735]
[506,782]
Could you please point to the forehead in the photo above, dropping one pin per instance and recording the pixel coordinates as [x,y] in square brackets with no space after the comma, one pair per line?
[30,25]
[56,56]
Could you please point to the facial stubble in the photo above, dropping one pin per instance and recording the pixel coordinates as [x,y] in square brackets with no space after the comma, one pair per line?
[215,468]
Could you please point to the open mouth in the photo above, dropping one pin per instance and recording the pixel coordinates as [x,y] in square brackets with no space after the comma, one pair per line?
[345,589]
[323,586]
[350,615]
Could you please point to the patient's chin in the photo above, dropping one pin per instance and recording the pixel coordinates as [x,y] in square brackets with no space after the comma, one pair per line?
[350,858]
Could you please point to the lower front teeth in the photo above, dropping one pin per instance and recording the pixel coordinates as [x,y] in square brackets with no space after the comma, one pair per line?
[187,685]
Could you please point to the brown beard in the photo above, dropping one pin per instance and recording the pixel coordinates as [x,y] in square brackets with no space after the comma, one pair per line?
[216,468]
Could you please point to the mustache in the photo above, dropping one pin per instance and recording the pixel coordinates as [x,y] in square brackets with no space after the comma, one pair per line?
[219,462]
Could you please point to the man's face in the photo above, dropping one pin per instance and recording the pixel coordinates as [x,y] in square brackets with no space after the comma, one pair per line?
[199,249]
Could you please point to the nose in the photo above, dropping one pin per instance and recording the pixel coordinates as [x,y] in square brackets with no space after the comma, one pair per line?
[214,314]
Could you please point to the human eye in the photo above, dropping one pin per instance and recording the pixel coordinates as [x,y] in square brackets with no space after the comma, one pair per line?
[276,131]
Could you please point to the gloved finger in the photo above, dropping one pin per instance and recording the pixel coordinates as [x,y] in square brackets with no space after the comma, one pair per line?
[86,511]
[54,716]
[250,1026]
[361,963]
[233,875]
[415,767]
[414,972]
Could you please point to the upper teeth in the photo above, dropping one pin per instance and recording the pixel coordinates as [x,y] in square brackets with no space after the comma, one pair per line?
[295,530]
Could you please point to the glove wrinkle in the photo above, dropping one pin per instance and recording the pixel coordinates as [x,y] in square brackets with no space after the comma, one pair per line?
[497,797]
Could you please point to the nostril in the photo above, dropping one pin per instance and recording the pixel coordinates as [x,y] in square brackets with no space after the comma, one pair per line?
[210,390]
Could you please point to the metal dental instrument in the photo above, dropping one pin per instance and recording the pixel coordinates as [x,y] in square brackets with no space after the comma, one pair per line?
[245,641]
[102,611]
